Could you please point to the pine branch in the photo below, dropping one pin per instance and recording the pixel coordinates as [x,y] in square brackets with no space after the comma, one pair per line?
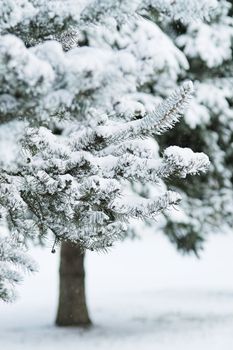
[182,162]
[163,118]
[146,208]
[184,10]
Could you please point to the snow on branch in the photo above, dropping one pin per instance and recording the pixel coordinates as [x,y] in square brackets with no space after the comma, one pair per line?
[162,119]
[44,82]
[38,19]
[183,161]
[184,10]
[176,161]
[217,36]
[145,208]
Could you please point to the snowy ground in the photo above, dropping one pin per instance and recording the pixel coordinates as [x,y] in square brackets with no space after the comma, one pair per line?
[142,296]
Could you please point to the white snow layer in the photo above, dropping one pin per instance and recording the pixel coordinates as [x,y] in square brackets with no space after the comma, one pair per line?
[143,295]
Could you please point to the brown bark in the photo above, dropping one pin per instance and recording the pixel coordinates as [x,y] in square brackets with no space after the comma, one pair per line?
[72,309]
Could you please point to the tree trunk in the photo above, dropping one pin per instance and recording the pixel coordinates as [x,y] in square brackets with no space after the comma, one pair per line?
[72,309]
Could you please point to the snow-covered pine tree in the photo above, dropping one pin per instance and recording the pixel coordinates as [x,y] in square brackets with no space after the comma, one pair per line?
[73,185]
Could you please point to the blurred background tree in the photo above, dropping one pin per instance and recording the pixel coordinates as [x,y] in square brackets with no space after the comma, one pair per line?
[207,126]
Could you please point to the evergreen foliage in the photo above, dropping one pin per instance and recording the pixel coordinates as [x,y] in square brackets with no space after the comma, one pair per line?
[82,142]
[168,51]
